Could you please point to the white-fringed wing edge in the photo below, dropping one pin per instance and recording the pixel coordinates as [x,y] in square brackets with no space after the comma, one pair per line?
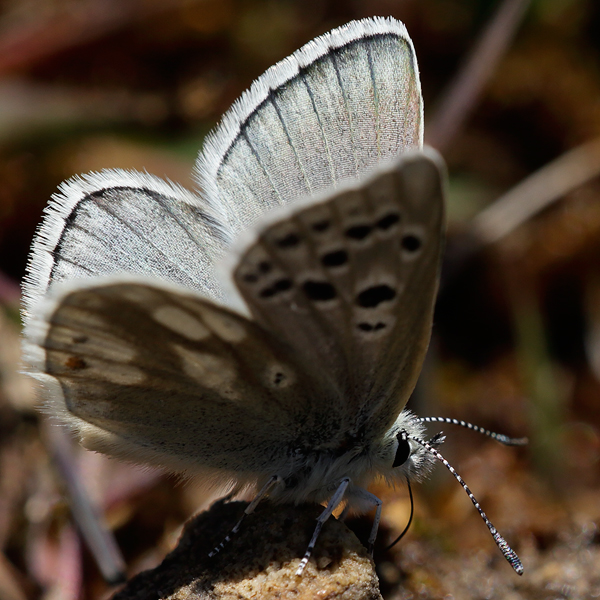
[117,221]
[329,112]
[315,122]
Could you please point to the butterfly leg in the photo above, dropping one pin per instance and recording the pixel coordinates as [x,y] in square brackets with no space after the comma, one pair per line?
[249,510]
[331,506]
[361,494]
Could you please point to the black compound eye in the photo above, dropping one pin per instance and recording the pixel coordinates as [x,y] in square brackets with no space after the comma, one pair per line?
[403,451]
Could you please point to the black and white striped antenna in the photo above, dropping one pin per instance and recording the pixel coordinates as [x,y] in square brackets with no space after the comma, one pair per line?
[430,446]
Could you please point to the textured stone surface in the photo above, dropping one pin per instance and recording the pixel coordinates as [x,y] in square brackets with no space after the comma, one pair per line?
[261,560]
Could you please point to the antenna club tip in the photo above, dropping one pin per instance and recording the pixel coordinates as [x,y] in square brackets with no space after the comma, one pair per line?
[509,554]
[515,563]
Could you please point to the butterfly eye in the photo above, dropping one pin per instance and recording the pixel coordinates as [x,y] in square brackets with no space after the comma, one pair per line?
[403,450]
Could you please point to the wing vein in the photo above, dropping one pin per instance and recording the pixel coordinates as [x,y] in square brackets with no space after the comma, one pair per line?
[375,99]
[58,255]
[318,116]
[292,145]
[147,241]
[345,98]
[260,164]
[206,219]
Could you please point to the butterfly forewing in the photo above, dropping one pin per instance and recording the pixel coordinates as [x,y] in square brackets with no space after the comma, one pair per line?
[329,112]
[349,282]
[116,222]
[165,376]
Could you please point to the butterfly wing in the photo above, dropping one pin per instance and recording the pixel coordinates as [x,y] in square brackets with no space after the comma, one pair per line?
[329,112]
[150,372]
[119,221]
[349,281]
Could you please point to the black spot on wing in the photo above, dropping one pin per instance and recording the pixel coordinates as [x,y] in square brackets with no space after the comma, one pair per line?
[264,266]
[321,226]
[336,258]
[358,232]
[388,221]
[291,240]
[267,292]
[375,295]
[281,285]
[319,291]
[279,378]
[371,326]
[411,243]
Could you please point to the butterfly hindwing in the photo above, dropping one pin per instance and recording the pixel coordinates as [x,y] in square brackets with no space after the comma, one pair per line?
[349,282]
[151,372]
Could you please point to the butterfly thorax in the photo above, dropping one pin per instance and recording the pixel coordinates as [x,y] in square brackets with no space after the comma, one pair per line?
[310,475]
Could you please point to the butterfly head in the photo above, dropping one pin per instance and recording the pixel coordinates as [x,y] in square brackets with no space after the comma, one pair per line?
[404,457]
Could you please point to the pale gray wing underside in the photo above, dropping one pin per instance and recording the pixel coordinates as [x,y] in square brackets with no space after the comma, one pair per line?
[150,372]
[329,112]
[124,222]
[349,281]
[324,116]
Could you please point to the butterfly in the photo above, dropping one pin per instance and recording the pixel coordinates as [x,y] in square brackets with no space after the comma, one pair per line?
[267,331]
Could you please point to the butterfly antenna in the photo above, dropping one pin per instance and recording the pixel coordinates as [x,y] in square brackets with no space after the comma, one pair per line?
[507,551]
[410,518]
[499,437]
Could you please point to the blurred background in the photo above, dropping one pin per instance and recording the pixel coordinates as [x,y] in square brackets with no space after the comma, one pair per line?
[512,100]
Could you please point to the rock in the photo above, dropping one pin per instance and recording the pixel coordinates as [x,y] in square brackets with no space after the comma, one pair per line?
[260,561]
